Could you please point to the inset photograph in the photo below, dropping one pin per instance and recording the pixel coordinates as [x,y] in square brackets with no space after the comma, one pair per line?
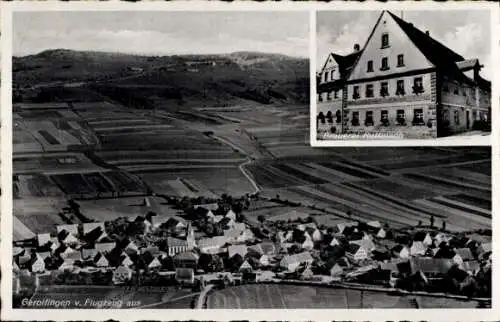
[403,75]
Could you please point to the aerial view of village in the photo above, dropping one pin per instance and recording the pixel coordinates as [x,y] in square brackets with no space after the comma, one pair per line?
[162,161]
[384,75]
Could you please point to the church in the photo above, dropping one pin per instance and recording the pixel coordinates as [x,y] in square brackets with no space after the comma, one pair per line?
[403,81]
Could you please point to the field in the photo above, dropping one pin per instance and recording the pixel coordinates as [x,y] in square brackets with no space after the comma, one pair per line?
[392,188]
[36,215]
[274,296]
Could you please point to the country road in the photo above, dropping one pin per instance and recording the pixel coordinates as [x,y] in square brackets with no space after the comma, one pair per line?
[202,296]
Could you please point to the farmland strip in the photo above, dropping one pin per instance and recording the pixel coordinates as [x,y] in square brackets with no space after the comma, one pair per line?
[366,167]
[461,206]
[446,182]
[297,173]
[480,202]
[457,217]
[348,170]
[392,199]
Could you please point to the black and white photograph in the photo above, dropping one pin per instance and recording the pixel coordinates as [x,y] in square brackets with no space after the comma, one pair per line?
[396,75]
[162,164]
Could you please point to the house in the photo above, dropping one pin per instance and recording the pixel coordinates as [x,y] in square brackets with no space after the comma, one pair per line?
[307,244]
[307,273]
[484,248]
[184,276]
[342,226]
[176,246]
[131,248]
[381,233]
[263,248]
[66,251]
[94,231]
[402,79]
[121,275]
[462,255]
[155,263]
[335,242]
[441,238]
[54,243]
[232,250]
[227,223]
[43,239]
[367,244]
[471,267]
[374,224]
[430,267]
[245,267]
[317,235]
[212,245]
[37,263]
[66,238]
[400,251]
[263,260]
[423,237]
[218,218]
[331,88]
[100,260]
[238,235]
[231,215]
[418,248]
[186,260]
[126,260]
[356,252]
[291,262]
[88,253]
[105,247]
[339,266]
[208,206]
[71,229]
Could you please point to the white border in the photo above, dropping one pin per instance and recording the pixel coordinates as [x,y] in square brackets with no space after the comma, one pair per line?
[445,141]
[7,313]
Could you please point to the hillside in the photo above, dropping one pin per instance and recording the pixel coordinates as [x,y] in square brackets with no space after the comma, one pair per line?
[180,80]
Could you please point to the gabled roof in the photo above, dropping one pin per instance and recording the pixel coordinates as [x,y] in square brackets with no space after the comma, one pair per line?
[237,249]
[464,253]
[296,258]
[176,242]
[185,256]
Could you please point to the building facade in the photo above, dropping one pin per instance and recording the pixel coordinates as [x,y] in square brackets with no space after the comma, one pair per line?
[402,81]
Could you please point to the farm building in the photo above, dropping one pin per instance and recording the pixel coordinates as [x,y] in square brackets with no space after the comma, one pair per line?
[402,80]
[121,275]
[356,252]
[184,276]
[186,260]
[292,262]
[212,245]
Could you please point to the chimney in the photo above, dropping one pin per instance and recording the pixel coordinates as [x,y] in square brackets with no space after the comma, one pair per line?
[356,47]
[427,33]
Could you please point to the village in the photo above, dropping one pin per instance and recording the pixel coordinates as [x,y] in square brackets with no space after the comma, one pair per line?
[213,243]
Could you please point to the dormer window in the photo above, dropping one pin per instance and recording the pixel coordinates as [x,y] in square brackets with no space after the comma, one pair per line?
[385,40]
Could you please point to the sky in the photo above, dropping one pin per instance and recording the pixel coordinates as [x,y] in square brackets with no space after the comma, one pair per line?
[466,32]
[162,33]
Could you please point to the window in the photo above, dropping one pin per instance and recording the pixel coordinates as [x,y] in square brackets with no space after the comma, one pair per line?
[338,117]
[369,90]
[328,96]
[418,116]
[355,118]
[400,87]
[456,117]
[418,86]
[329,117]
[385,64]
[326,77]
[321,117]
[401,60]
[369,118]
[400,117]
[369,67]
[384,89]
[384,117]
[336,94]
[385,40]
[355,93]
